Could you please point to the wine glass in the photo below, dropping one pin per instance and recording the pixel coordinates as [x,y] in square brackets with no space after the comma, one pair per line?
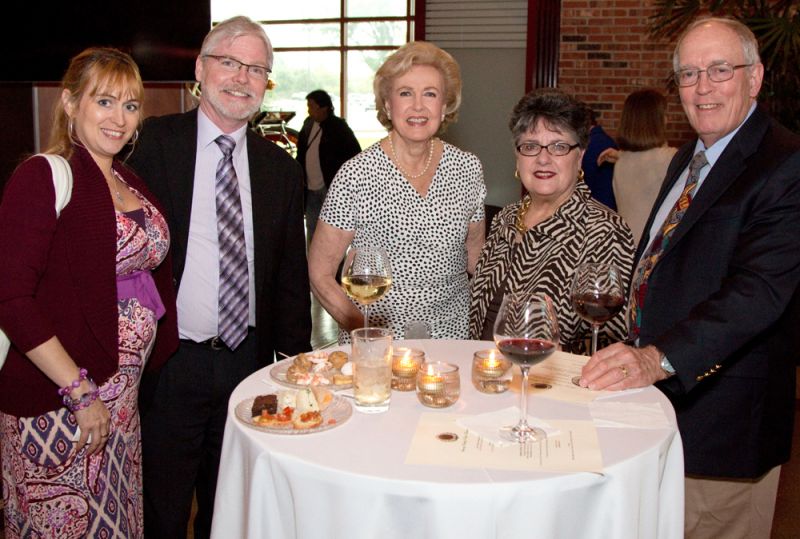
[526,332]
[597,296]
[366,276]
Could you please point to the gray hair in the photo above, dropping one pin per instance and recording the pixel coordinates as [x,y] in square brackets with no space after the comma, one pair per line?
[745,35]
[230,29]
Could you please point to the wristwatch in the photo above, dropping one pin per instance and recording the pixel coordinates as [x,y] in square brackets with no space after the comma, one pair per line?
[666,366]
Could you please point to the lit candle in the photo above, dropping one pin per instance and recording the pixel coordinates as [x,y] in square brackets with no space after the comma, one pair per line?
[406,362]
[431,381]
[492,366]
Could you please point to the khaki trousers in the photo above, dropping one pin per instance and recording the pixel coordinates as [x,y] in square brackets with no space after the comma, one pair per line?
[730,508]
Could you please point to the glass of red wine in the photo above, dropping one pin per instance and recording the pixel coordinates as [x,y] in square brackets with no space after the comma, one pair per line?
[526,332]
[597,296]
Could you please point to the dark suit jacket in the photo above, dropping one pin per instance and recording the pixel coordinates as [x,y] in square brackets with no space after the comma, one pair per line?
[337,144]
[722,303]
[58,277]
[165,158]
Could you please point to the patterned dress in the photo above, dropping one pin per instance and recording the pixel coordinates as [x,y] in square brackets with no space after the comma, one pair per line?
[544,260]
[425,237]
[49,489]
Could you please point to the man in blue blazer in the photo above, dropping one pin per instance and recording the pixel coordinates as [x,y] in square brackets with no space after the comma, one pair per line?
[715,302]
[184,407]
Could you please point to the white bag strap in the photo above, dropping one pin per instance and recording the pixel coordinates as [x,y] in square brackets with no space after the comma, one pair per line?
[62,180]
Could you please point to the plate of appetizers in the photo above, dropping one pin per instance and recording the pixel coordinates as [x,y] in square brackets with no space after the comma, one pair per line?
[321,368]
[289,411]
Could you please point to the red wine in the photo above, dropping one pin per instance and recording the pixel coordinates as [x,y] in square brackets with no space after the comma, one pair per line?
[598,308]
[526,351]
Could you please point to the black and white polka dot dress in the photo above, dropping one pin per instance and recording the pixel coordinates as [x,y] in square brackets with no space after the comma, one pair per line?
[425,237]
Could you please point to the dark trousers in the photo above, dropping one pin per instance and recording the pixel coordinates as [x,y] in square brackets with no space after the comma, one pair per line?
[182,428]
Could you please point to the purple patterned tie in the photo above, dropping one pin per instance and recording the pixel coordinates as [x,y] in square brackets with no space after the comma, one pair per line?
[234,285]
[659,243]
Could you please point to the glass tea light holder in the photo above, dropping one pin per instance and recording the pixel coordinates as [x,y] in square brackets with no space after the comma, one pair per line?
[491,372]
[438,384]
[405,364]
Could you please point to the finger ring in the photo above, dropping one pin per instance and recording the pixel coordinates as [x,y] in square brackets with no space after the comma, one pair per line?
[624,370]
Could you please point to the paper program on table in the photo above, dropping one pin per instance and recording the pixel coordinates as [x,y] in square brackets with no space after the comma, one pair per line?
[440,441]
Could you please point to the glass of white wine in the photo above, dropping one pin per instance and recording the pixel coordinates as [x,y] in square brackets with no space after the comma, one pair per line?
[366,276]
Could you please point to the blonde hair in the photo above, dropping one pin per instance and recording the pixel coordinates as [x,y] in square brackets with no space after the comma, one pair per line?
[401,61]
[92,71]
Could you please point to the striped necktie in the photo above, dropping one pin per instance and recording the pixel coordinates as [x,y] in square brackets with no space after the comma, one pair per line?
[234,285]
[659,244]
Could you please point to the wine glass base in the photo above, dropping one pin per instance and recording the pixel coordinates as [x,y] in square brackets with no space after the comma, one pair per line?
[522,434]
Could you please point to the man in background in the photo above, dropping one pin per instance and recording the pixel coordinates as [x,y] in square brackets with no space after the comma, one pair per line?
[714,298]
[234,204]
[324,144]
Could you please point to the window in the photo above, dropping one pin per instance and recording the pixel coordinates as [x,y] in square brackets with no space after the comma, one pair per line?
[326,44]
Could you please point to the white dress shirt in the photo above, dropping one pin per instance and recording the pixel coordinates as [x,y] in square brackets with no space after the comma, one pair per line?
[198,295]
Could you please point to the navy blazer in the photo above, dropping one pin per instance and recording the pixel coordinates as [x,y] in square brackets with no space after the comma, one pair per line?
[722,303]
[165,157]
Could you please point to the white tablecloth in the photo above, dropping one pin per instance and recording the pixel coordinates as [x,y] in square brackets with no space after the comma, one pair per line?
[351,481]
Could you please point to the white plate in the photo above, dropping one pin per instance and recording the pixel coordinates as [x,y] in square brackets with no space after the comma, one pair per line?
[278,373]
[337,412]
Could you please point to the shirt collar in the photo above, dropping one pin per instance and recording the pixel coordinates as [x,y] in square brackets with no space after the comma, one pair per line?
[207,133]
[715,150]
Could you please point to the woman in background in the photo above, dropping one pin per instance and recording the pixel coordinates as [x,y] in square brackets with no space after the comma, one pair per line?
[536,244]
[80,299]
[643,157]
[411,193]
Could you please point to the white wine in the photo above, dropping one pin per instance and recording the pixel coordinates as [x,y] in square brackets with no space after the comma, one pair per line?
[366,289]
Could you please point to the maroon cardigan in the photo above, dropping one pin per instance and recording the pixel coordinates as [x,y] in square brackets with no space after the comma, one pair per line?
[58,277]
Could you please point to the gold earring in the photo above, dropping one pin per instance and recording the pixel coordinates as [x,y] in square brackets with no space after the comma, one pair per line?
[581,175]
[516,174]
[388,115]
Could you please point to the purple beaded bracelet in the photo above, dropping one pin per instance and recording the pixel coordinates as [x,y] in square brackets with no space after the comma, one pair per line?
[64,391]
[85,400]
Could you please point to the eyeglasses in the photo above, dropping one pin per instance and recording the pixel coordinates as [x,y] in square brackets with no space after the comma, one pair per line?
[531,149]
[716,73]
[229,64]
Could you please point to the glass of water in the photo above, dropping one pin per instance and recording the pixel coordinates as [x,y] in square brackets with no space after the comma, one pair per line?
[372,369]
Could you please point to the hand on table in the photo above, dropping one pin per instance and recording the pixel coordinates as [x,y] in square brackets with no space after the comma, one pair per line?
[620,366]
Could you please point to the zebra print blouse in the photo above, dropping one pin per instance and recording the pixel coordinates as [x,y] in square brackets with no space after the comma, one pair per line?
[545,258]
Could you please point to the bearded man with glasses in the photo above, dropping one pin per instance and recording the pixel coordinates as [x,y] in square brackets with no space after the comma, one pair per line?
[714,304]
[234,204]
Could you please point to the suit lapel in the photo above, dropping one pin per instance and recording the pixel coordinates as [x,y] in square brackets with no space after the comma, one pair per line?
[260,192]
[725,172]
[181,181]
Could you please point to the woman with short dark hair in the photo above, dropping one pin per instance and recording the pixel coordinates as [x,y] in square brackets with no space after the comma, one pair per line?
[536,244]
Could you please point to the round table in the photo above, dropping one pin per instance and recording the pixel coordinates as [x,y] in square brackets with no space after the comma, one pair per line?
[352,481]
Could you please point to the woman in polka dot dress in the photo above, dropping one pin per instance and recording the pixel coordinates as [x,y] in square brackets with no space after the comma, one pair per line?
[413,194]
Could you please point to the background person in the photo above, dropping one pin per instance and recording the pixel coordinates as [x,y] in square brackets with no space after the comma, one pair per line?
[643,157]
[598,175]
[189,164]
[413,194]
[717,311]
[324,144]
[80,299]
[536,244]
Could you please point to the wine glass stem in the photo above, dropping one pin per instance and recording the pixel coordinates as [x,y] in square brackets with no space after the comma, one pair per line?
[366,316]
[595,331]
[523,397]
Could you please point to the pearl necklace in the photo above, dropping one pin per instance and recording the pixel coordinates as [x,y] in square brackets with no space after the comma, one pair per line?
[402,170]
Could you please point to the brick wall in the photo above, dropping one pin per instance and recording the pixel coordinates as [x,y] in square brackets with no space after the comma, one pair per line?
[606,53]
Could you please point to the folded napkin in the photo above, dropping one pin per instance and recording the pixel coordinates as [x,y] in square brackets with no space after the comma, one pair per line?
[649,415]
[487,425]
